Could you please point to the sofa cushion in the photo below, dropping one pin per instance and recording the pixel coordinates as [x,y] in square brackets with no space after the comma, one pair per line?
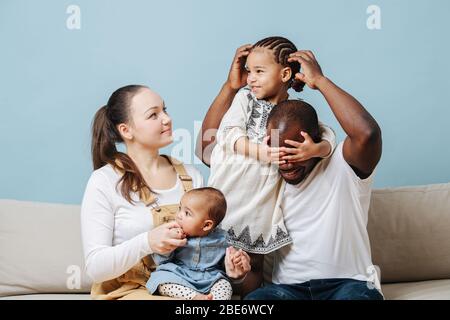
[409,230]
[423,290]
[40,249]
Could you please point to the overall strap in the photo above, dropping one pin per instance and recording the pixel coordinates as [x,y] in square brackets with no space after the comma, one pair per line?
[186,179]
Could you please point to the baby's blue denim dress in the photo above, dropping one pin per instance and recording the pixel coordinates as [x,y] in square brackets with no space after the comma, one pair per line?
[197,265]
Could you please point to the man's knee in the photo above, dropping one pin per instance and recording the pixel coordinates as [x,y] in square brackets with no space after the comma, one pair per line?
[357,290]
[264,293]
[272,292]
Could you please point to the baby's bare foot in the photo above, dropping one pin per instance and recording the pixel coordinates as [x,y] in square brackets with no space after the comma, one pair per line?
[200,296]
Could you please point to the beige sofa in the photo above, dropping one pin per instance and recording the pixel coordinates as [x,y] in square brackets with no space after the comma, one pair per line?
[41,255]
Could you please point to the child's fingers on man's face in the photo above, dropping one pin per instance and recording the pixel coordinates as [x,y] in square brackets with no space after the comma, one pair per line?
[290,150]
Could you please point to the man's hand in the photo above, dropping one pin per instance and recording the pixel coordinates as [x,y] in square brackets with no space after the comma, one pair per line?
[311,72]
[363,144]
[237,77]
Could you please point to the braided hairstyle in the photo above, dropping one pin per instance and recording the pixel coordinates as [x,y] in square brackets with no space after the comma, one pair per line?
[282,48]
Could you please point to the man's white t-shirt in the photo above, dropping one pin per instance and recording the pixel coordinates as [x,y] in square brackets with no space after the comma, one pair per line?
[326,215]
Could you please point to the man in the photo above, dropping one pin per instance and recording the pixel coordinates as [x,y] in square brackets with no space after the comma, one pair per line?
[326,201]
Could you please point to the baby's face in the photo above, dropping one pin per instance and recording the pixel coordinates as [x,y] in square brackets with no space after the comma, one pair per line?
[192,215]
[264,74]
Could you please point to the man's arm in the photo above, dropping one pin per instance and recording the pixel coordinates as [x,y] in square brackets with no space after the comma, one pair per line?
[237,78]
[207,135]
[363,144]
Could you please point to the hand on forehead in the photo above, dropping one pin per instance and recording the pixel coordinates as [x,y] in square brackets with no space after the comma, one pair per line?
[286,130]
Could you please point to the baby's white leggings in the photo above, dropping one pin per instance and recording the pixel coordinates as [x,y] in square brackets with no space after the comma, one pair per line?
[221,290]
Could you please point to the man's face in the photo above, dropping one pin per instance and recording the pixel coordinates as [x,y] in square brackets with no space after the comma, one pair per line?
[292,173]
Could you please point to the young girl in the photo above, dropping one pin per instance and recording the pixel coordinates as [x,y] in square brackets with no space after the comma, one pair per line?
[199,270]
[243,166]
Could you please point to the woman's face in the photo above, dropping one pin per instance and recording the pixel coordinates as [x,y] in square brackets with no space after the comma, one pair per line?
[150,124]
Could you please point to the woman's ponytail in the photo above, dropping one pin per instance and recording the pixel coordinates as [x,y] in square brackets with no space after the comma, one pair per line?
[104,138]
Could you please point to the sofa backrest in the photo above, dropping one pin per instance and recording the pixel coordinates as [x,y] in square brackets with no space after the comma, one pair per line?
[40,249]
[409,230]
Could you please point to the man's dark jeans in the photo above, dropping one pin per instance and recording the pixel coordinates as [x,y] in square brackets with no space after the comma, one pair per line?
[325,289]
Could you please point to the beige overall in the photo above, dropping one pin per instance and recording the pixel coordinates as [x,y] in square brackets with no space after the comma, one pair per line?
[131,285]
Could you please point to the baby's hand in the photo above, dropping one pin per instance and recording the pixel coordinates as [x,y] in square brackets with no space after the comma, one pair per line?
[305,150]
[237,263]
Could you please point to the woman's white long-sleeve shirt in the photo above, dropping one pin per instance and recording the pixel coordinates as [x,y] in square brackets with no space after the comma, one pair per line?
[114,232]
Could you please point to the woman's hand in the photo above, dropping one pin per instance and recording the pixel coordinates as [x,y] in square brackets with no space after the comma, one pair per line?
[166,238]
[311,72]
[305,150]
[237,263]
[237,77]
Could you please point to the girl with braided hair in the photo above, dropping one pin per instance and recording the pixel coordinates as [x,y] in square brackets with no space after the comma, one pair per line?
[244,167]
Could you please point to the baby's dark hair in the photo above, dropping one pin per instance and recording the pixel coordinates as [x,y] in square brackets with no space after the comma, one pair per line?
[216,204]
[282,48]
[298,112]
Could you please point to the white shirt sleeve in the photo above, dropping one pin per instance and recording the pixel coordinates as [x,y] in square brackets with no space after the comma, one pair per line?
[329,135]
[233,124]
[104,261]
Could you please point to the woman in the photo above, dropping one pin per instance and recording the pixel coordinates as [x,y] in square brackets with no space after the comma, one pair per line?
[131,197]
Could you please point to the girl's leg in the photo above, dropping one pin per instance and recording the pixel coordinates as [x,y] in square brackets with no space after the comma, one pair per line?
[176,291]
[221,290]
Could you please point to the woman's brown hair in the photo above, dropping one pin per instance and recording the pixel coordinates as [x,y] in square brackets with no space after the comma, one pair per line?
[105,136]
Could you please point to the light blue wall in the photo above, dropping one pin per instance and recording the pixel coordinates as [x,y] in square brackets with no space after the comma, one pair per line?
[52,79]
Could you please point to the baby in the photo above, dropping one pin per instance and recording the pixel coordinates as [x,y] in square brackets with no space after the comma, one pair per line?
[202,268]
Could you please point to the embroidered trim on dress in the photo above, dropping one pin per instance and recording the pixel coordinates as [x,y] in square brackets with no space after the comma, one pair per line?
[244,241]
[258,112]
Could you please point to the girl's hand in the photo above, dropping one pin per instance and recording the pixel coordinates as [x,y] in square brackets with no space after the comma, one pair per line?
[237,77]
[166,238]
[270,154]
[311,72]
[237,263]
[305,150]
